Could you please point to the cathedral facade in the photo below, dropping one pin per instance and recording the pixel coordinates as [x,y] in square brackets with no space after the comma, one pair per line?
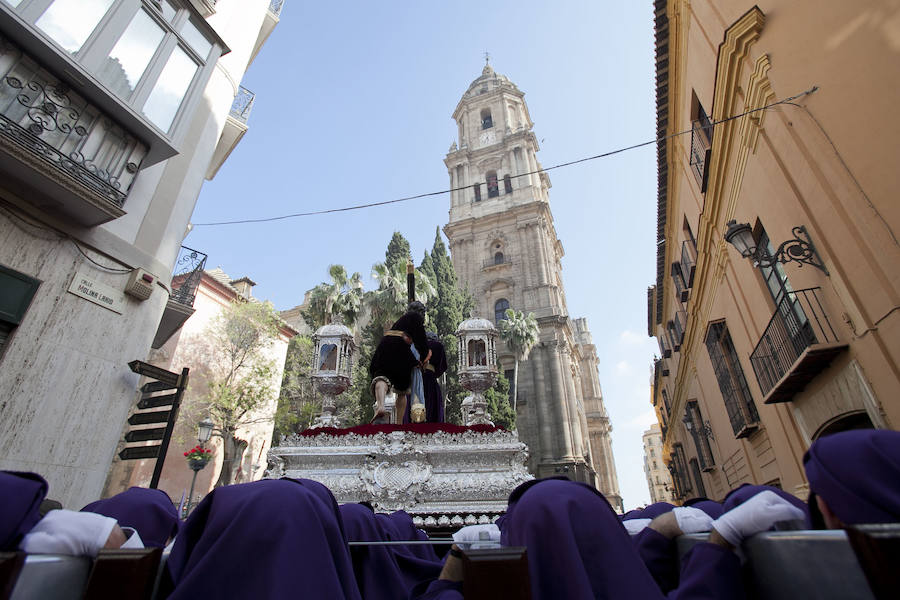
[505,250]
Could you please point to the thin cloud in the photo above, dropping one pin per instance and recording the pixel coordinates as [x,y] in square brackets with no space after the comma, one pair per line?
[632,338]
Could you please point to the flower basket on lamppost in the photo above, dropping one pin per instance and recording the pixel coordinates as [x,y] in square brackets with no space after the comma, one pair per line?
[198,456]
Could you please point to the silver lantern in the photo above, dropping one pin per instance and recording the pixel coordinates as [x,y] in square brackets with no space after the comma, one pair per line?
[332,367]
[477,366]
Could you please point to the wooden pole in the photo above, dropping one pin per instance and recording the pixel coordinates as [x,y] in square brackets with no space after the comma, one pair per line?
[410,281]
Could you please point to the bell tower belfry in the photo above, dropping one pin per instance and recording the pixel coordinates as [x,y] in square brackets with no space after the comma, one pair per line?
[504,248]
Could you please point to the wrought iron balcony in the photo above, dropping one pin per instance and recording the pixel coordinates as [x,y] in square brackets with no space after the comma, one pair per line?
[797,344]
[688,262]
[275,7]
[700,147]
[186,278]
[55,144]
[243,103]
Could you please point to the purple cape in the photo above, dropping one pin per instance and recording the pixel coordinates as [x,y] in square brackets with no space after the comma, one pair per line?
[744,492]
[857,473]
[22,494]
[710,507]
[578,549]
[150,512]
[265,539]
[654,510]
[383,572]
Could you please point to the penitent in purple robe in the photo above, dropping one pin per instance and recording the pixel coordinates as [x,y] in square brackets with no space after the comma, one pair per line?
[384,572]
[744,492]
[578,550]
[857,473]
[266,539]
[22,494]
[150,512]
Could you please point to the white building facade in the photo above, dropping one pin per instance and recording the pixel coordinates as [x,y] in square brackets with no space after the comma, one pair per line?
[659,480]
[112,113]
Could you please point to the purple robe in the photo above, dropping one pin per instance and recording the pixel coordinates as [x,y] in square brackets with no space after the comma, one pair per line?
[266,539]
[384,572]
[710,507]
[22,494]
[577,548]
[857,473]
[399,526]
[654,510]
[150,512]
[744,492]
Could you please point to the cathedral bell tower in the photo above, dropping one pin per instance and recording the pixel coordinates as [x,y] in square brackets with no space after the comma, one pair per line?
[504,249]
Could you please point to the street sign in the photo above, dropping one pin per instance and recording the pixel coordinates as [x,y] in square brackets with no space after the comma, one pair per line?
[139,452]
[148,370]
[145,435]
[160,416]
[157,386]
[157,401]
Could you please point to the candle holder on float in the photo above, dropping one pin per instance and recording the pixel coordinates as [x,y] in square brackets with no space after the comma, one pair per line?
[332,368]
[477,366]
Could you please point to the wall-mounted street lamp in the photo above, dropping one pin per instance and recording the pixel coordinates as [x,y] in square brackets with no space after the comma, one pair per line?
[705,429]
[797,249]
[204,430]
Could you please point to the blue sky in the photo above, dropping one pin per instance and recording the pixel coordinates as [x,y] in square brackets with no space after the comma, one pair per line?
[353,105]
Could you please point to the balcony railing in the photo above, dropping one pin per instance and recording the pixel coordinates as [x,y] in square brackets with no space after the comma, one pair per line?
[186,278]
[688,262]
[700,153]
[797,344]
[60,136]
[243,103]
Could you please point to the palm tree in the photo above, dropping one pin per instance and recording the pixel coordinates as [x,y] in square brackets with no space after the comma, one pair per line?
[343,296]
[520,333]
[389,301]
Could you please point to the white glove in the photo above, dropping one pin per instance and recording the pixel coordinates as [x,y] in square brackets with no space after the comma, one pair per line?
[134,539]
[633,526]
[68,532]
[692,520]
[478,536]
[757,514]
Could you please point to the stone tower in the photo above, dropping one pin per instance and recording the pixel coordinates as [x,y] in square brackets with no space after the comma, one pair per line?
[504,248]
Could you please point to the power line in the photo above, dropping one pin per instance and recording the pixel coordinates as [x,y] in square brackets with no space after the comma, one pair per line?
[544,170]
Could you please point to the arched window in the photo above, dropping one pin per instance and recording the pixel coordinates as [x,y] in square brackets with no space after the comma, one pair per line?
[493,187]
[500,309]
[498,258]
[486,121]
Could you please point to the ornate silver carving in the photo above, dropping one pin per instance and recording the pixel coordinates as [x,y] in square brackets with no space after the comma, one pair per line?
[439,476]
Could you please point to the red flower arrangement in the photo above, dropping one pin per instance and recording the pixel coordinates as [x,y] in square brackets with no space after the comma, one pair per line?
[198,453]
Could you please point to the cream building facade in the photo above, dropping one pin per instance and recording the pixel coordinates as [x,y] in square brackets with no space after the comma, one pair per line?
[189,347]
[113,112]
[655,468]
[505,250]
[760,357]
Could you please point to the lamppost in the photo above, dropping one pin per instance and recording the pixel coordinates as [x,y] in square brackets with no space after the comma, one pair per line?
[198,463]
[796,249]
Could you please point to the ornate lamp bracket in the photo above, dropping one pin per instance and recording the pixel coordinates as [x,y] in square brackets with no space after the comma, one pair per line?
[799,249]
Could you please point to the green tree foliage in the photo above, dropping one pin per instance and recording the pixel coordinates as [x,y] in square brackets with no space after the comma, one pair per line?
[398,252]
[498,404]
[343,296]
[388,302]
[239,376]
[447,310]
[520,333]
[298,404]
